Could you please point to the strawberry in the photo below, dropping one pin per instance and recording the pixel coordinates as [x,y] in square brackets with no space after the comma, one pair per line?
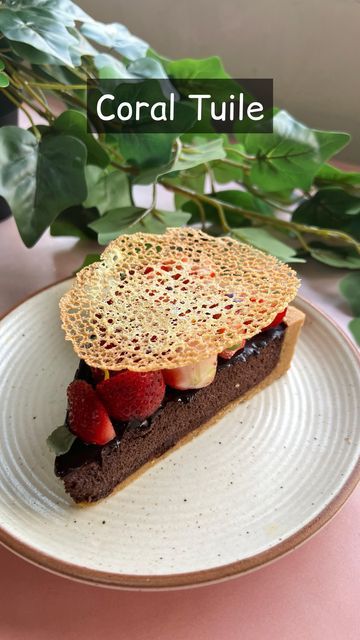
[132,395]
[230,351]
[88,418]
[278,318]
[101,374]
[192,376]
[97,374]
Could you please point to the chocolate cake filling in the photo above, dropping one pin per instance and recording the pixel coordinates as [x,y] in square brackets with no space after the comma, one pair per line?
[91,472]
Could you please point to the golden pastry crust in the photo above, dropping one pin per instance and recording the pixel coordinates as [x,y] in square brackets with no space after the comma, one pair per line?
[159,302]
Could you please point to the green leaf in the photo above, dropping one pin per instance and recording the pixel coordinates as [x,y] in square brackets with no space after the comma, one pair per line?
[81,48]
[262,239]
[74,222]
[64,10]
[74,123]
[111,225]
[107,189]
[328,174]
[225,173]
[193,179]
[291,155]
[110,67]
[189,68]
[146,68]
[195,71]
[244,200]
[189,158]
[175,218]
[117,37]
[88,260]
[40,179]
[47,14]
[4,80]
[331,208]
[34,56]
[350,289]
[134,219]
[146,150]
[341,257]
[354,326]
[60,440]
[194,156]
[39,29]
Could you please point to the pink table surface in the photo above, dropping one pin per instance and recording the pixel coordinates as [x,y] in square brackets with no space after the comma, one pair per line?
[312,593]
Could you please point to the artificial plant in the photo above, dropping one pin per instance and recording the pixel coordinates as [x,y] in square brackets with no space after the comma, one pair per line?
[275,191]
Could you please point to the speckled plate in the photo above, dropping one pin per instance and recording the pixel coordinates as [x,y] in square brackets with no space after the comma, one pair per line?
[255,485]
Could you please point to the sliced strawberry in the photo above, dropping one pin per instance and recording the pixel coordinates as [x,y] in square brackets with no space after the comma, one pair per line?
[88,418]
[132,395]
[230,352]
[192,376]
[278,318]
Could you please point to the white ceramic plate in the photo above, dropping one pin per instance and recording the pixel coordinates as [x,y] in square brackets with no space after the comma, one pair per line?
[255,485]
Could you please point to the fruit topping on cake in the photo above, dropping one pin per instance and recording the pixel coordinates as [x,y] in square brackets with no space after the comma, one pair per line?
[87,416]
[130,395]
[278,318]
[230,351]
[192,376]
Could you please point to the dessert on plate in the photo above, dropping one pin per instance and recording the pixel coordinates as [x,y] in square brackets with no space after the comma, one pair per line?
[170,330]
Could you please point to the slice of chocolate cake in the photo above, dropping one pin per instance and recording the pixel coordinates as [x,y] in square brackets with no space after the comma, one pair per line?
[170,330]
[91,472]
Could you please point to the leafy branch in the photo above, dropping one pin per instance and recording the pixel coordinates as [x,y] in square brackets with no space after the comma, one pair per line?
[276,191]
[298,229]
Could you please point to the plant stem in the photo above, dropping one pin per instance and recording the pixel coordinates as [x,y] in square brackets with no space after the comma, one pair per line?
[302,242]
[62,89]
[201,208]
[262,197]
[26,86]
[20,105]
[211,177]
[242,154]
[121,167]
[258,217]
[55,86]
[21,99]
[231,163]
[73,99]
[199,197]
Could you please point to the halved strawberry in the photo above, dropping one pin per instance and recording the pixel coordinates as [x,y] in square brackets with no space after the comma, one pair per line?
[132,395]
[230,352]
[278,318]
[192,376]
[88,418]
